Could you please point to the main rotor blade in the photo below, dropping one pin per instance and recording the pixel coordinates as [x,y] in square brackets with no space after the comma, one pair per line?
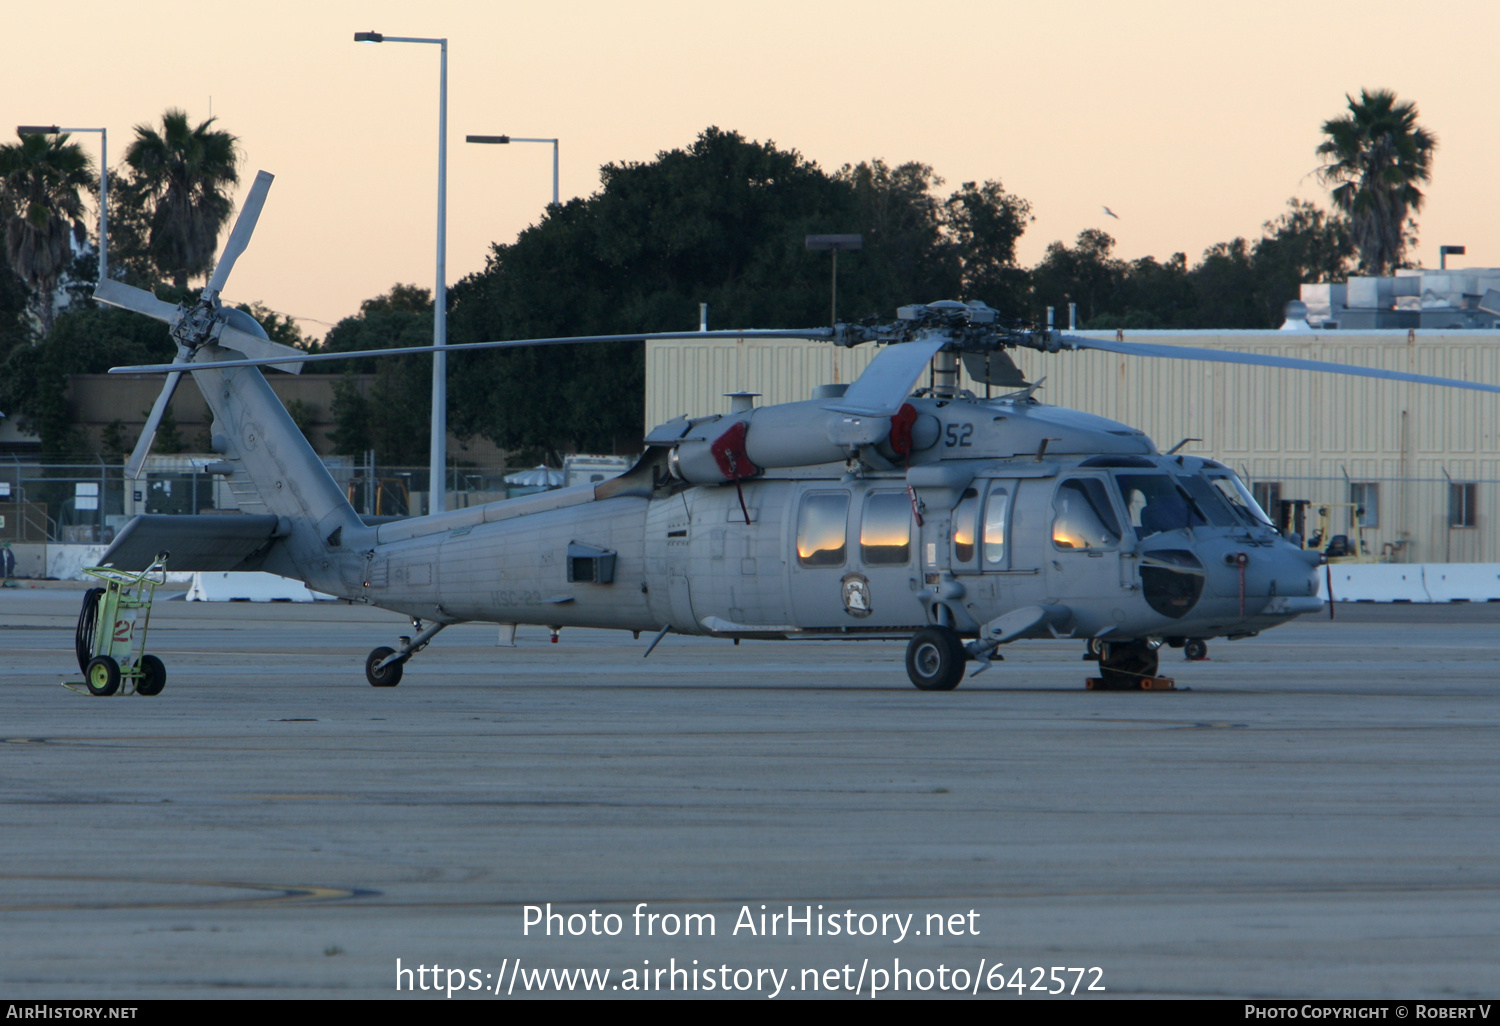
[885,384]
[148,432]
[244,227]
[1260,360]
[254,346]
[128,297]
[162,368]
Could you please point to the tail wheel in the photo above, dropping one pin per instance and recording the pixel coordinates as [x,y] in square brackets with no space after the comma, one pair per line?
[153,676]
[388,677]
[102,676]
[1196,650]
[1125,663]
[935,659]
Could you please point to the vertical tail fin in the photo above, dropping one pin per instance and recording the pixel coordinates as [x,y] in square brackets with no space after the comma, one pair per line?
[277,471]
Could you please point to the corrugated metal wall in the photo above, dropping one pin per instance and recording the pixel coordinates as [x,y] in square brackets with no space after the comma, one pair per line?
[1311,433]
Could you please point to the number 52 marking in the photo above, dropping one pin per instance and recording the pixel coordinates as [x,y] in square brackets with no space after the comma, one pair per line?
[959,434]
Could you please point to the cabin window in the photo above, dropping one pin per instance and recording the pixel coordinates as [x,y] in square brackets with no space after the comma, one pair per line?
[822,527]
[1084,517]
[995,509]
[885,529]
[965,527]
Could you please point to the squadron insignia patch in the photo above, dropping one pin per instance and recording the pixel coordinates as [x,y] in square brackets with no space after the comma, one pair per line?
[856,592]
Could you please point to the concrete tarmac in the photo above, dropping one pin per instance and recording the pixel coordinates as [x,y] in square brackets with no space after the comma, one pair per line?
[1315,816]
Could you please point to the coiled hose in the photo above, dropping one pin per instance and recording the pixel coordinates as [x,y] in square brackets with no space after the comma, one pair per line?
[88,619]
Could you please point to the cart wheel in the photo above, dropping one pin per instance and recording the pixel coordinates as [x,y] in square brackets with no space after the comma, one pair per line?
[102,676]
[153,676]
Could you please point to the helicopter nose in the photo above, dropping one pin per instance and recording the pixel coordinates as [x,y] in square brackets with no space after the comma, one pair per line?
[1278,580]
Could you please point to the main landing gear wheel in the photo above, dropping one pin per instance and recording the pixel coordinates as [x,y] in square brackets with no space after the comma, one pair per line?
[935,659]
[388,677]
[153,676]
[102,676]
[1125,663]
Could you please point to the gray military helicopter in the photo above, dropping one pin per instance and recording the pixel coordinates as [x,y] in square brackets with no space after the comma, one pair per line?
[954,522]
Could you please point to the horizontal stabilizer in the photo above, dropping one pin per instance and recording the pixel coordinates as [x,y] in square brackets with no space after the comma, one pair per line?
[229,542]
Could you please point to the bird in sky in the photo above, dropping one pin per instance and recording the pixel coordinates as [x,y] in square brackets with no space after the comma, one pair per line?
[1111,213]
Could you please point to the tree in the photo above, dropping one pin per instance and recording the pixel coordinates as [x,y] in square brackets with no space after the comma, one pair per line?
[1376,157]
[41,179]
[722,221]
[84,340]
[184,175]
[394,417]
[1087,275]
[985,222]
[15,325]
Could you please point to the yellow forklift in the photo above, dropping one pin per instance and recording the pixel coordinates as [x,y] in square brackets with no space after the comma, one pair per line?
[1336,548]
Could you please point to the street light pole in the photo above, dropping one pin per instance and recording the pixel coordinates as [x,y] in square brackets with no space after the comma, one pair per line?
[103,184]
[835,243]
[510,139]
[438,453]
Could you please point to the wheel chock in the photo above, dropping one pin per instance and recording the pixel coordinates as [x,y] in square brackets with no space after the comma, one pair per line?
[1146,684]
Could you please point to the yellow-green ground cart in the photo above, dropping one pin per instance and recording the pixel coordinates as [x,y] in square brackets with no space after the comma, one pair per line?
[111,638]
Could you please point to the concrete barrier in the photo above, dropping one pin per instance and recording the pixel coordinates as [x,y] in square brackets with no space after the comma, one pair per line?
[1374,582]
[31,559]
[66,562]
[1462,582]
[250,587]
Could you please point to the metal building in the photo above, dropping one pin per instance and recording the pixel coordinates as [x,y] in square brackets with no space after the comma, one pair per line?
[1412,298]
[1423,461]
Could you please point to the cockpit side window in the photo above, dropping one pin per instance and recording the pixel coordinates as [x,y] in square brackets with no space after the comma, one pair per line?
[1084,518]
[1234,492]
[822,529]
[1208,500]
[1161,502]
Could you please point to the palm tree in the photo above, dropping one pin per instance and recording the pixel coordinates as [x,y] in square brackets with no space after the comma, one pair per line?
[185,174]
[1376,155]
[40,203]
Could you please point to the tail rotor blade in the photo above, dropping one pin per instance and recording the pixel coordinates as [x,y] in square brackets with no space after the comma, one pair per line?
[148,432]
[127,297]
[244,227]
[231,337]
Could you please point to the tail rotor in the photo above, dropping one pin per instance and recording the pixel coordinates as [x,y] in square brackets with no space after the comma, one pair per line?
[206,323]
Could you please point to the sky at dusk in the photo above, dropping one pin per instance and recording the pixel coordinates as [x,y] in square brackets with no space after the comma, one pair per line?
[1193,121]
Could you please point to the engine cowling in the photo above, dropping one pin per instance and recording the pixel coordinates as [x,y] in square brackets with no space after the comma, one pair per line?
[738,446]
